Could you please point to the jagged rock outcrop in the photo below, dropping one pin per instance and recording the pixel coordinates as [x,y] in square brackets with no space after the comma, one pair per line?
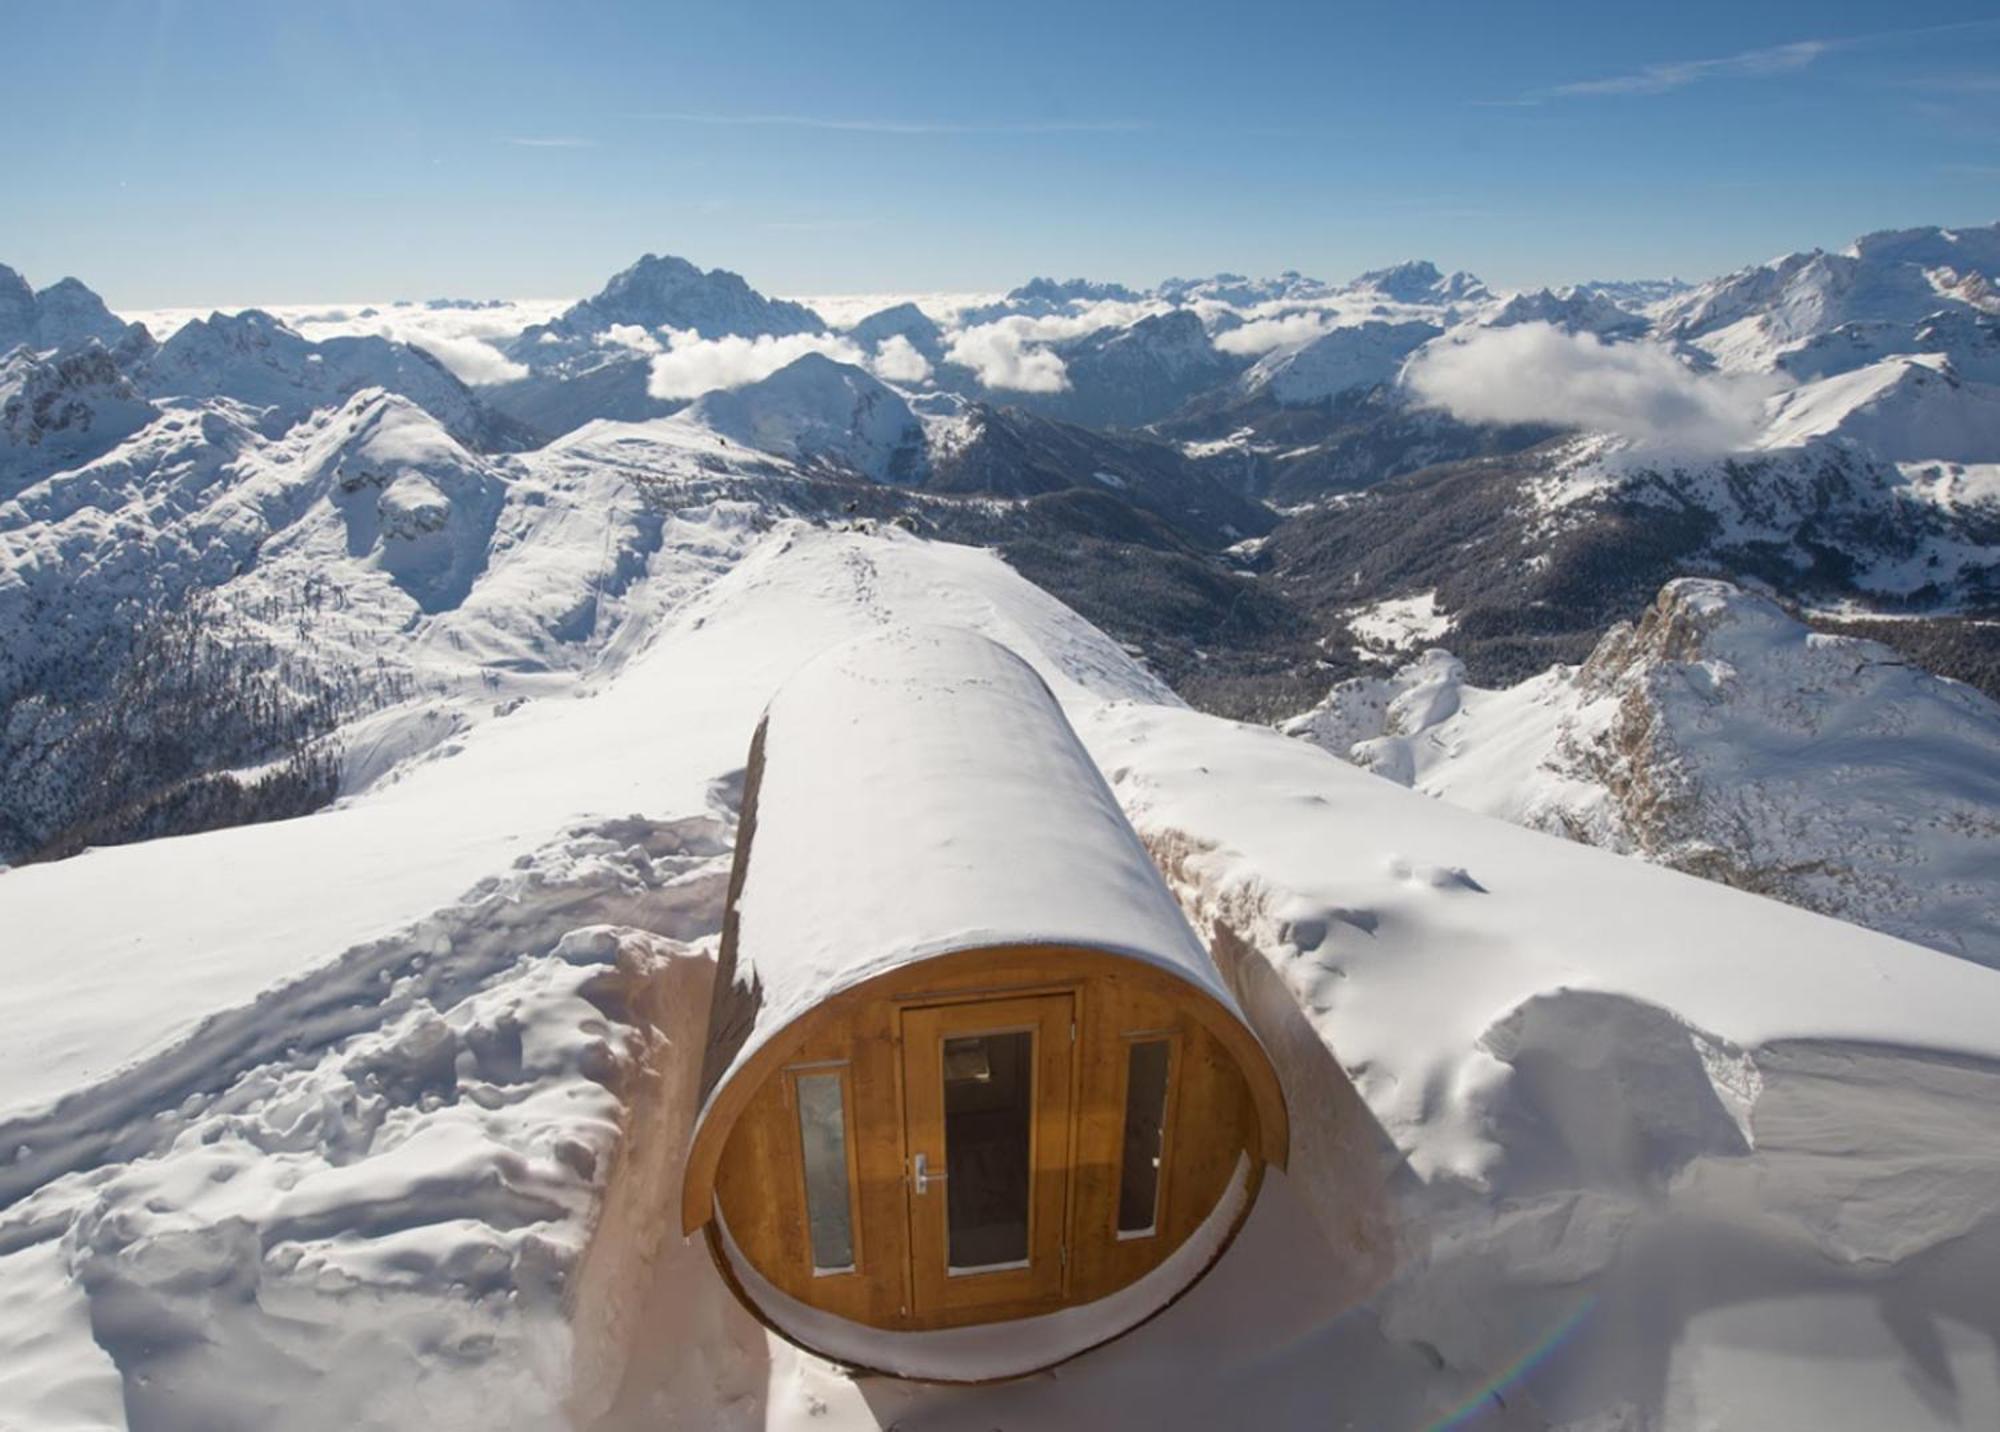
[1721,736]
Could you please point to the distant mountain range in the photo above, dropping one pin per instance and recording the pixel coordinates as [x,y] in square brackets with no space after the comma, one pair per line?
[1238,477]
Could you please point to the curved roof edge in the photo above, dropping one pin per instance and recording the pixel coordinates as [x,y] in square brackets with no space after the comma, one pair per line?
[915,791]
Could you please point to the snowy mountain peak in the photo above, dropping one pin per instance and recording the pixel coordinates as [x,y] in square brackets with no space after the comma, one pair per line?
[665,291]
[63,315]
[1574,310]
[1238,291]
[1356,356]
[817,410]
[1419,281]
[1892,281]
[255,359]
[17,310]
[902,320]
[1932,246]
[1070,290]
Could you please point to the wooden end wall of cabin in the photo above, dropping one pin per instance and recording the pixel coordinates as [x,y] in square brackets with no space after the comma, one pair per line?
[1213,1118]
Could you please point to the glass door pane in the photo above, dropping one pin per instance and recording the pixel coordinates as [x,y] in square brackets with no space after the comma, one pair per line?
[989,1104]
[986,1105]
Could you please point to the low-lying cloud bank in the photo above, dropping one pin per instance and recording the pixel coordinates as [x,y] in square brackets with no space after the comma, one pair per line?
[1012,353]
[1264,335]
[692,365]
[1536,373]
[1005,355]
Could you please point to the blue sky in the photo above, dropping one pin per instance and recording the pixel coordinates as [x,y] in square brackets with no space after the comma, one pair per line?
[218,152]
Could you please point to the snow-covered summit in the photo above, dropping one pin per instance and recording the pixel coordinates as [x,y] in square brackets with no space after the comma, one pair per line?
[1355,356]
[1900,279]
[665,291]
[254,359]
[1050,292]
[63,315]
[1419,281]
[905,321]
[1573,310]
[1904,409]
[816,409]
[1236,291]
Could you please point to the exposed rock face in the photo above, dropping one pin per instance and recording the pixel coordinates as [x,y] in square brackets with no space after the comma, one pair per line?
[1824,770]
[1720,736]
[64,315]
[1420,281]
[662,291]
[61,410]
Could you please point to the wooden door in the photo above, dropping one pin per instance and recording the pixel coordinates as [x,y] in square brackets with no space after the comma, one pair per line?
[987,1109]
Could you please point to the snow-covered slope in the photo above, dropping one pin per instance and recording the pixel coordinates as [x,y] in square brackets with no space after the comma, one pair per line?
[341,1092]
[1898,280]
[1419,281]
[1574,310]
[1722,737]
[1914,409]
[253,359]
[66,314]
[817,409]
[62,410]
[1356,356]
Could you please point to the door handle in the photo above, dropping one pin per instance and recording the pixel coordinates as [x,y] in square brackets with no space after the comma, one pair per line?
[921,1175]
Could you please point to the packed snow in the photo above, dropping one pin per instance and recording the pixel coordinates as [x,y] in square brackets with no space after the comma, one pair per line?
[343,1110]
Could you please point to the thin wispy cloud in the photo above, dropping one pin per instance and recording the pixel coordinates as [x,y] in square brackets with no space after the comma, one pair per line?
[1764,62]
[1659,79]
[550,142]
[899,126]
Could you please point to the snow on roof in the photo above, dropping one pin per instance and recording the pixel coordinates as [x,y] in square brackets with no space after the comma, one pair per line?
[922,793]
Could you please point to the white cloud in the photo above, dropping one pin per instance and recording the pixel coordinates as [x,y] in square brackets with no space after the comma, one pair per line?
[1005,356]
[630,335]
[1011,354]
[1678,74]
[1535,373]
[456,337]
[898,361]
[1262,335]
[471,360]
[693,365]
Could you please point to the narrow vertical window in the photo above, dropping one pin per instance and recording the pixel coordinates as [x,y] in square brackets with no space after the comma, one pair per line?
[823,1137]
[1146,1066]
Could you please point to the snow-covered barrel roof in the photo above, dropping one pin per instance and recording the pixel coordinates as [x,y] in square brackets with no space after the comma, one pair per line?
[920,792]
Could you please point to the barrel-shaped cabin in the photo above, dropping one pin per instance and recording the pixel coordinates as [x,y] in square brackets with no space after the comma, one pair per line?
[975,1097]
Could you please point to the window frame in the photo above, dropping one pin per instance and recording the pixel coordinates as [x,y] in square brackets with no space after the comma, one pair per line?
[844,1069]
[1169,1106]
